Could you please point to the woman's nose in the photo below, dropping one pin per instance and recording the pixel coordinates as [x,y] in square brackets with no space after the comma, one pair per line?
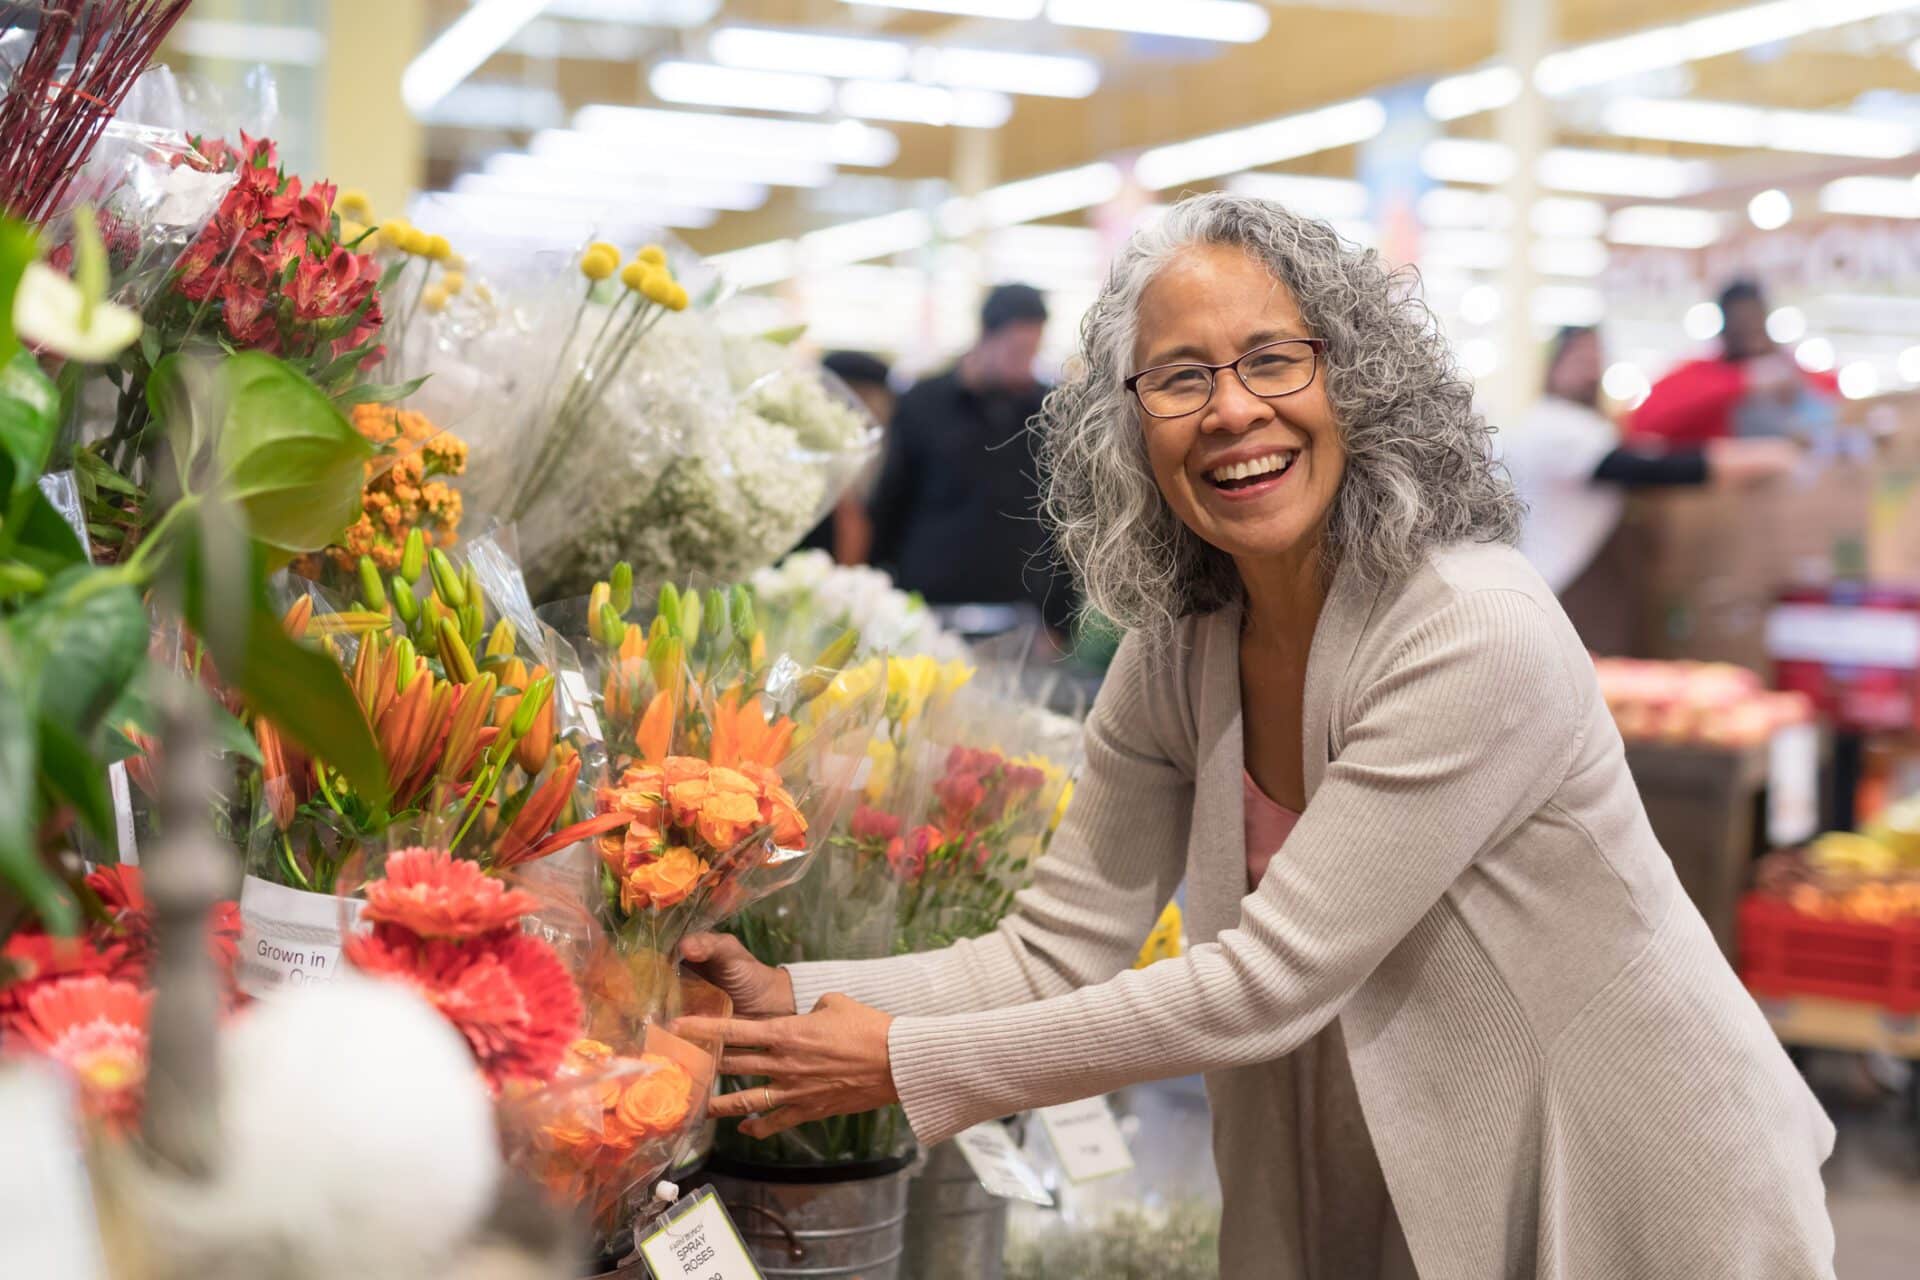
[1233,407]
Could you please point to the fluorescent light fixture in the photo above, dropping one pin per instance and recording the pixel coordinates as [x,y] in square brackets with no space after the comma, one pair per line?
[1045,75]
[1620,173]
[1664,226]
[511,173]
[1702,321]
[1045,196]
[925,104]
[1732,124]
[459,51]
[1011,10]
[648,13]
[1871,197]
[1816,355]
[812,52]
[1480,356]
[1770,210]
[1787,324]
[847,142]
[1465,207]
[1230,21]
[703,84]
[1469,250]
[1467,160]
[1489,88]
[1626,383]
[1275,141]
[1316,197]
[1909,363]
[757,265]
[1581,257]
[1585,66]
[868,238]
[1568,304]
[1859,380]
[216,39]
[1568,216]
[532,209]
[1480,304]
[671,161]
[498,106]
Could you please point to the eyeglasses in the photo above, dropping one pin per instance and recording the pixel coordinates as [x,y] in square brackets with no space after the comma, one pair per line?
[1277,369]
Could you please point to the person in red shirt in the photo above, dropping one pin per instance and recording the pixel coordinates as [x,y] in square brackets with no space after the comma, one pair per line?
[1752,388]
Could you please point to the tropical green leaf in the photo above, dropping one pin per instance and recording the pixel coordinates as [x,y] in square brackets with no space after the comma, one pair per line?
[76,776]
[81,645]
[42,537]
[18,247]
[379,392]
[20,864]
[29,419]
[287,457]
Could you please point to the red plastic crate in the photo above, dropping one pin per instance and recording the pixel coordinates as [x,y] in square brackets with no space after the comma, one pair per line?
[1784,952]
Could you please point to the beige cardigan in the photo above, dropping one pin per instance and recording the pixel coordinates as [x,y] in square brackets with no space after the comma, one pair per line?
[1560,1074]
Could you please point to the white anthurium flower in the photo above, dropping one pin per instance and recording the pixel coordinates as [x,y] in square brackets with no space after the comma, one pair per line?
[51,312]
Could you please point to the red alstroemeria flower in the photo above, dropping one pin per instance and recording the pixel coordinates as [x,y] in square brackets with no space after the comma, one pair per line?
[507,993]
[97,1029]
[874,824]
[431,893]
[314,212]
[324,289]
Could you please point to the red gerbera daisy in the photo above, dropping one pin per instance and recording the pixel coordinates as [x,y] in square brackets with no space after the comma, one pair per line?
[31,960]
[507,993]
[431,893]
[124,896]
[97,1029]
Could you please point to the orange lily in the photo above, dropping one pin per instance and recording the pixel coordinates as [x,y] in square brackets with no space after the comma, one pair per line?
[655,734]
[526,838]
[743,735]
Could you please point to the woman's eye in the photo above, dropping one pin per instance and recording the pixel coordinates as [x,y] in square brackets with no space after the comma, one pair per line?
[1174,379]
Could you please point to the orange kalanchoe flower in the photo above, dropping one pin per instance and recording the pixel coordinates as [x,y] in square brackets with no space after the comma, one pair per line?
[430,893]
[403,491]
[96,1028]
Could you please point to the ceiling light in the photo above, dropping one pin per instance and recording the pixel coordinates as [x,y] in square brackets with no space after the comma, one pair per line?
[1467,160]
[459,51]
[1480,356]
[812,52]
[1909,363]
[1620,173]
[1625,383]
[1487,89]
[1470,250]
[1584,257]
[1732,124]
[1561,305]
[868,238]
[1013,10]
[847,142]
[1815,355]
[1770,210]
[1042,74]
[1286,138]
[1787,324]
[1568,216]
[250,42]
[1664,226]
[1232,21]
[669,162]
[539,213]
[1480,304]
[1045,196]
[1702,321]
[756,265]
[1871,197]
[1859,380]
[705,85]
[512,171]
[650,13]
[1302,193]
[1464,207]
[498,106]
[925,104]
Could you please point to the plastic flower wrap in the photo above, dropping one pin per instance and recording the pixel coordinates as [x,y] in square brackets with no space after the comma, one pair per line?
[808,589]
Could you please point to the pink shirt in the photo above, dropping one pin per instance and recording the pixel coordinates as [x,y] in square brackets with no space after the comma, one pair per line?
[1267,825]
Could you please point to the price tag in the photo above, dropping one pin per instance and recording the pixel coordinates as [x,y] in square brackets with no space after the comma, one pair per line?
[123,813]
[1003,1169]
[288,937]
[698,1241]
[1793,785]
[580,698]
[1087,1139]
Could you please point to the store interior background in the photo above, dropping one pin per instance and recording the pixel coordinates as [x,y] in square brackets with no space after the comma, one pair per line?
[871,169]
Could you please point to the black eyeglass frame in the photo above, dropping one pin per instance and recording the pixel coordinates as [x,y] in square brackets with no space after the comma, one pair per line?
[1318,345]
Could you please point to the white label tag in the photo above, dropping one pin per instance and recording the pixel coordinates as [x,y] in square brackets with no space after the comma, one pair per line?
[1003,1169]
[289,937]
[1087,1139]
[698,1242]
[580,698]
[123,813]
[1793,785]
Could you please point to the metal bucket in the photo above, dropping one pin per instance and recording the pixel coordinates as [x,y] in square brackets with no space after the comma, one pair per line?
[804,1225]
[955,1230]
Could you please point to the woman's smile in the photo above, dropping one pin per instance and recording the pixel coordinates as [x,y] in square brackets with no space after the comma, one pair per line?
[1250,473]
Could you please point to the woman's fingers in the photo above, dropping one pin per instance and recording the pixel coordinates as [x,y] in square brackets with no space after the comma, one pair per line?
[752,1033]
[754,1064]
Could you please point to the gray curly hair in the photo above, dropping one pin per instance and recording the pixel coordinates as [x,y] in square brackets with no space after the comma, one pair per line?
[1420,471]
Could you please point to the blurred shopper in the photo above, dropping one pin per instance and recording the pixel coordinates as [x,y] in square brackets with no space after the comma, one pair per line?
[847,532]
[956,515]
[1752,388]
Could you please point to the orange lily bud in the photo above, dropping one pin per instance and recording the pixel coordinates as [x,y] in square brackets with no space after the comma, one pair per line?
[277,787]
[537,815]
[655,734]
[298,614]
[472,704]
[534,748]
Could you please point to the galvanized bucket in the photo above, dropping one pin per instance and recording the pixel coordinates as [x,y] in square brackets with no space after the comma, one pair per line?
[955,1230]
[847,1223]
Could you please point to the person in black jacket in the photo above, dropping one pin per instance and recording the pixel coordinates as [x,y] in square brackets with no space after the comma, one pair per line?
[956,514]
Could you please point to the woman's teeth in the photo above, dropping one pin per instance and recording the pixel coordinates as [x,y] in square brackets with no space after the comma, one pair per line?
[1253,469]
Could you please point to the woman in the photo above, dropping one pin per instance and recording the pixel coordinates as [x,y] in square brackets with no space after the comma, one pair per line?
[1464,1022]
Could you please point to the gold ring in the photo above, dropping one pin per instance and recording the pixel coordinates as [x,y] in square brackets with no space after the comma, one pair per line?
[766,1097]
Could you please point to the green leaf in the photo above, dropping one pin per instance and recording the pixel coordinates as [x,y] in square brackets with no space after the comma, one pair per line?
[287,457]
[304,693]
[42,537]
[29,420]
[81,645]
[18,247]
[150,345]
[20,865]
[380,392]
[76,776]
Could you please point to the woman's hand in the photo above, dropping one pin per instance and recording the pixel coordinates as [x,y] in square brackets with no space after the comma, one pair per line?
[758,990]
[833,1062]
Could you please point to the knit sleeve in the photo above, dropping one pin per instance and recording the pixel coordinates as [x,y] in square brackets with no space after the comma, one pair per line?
[1457,737]
[1112,866]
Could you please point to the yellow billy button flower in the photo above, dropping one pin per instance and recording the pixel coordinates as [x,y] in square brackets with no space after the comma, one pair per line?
[438,248]
[434,298]
[394,233]
[679,300]
[454,282]
[353,203]
[658,287]
[635,276]
[597,266]
[652,255]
